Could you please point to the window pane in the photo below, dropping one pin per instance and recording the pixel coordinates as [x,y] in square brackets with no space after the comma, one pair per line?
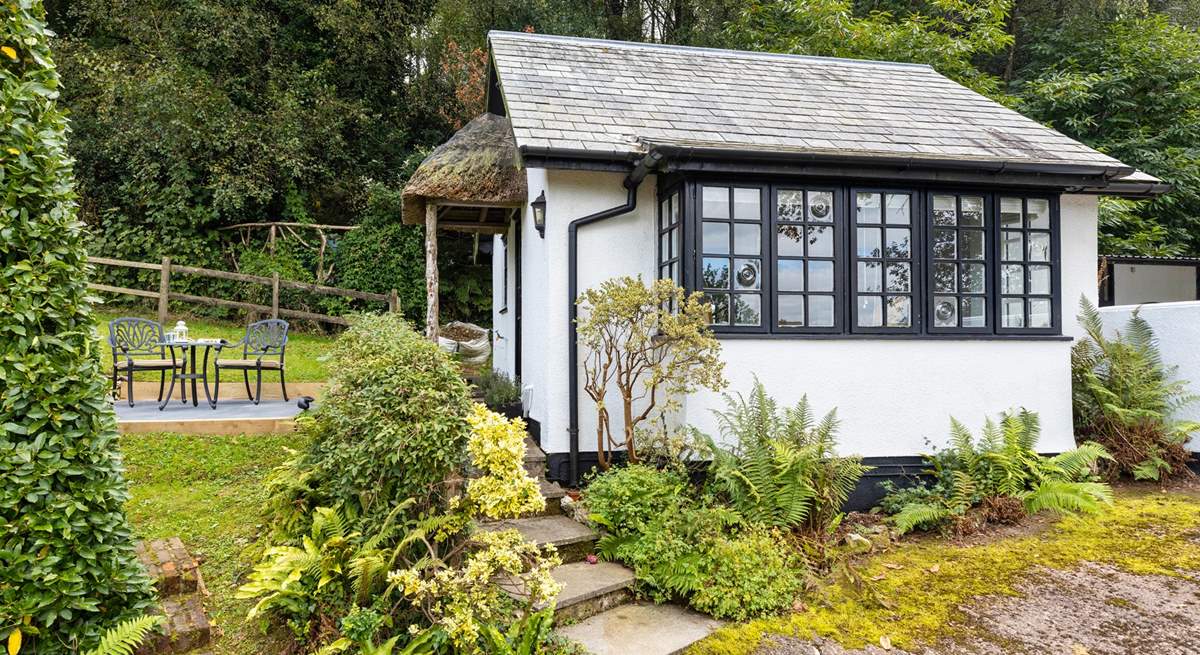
[1039,217]
[720,303]
[791,311]
[716,238]
[870,277]
[869,210]
[820,276]
[1039,313]
[716,202]
[1012,279]
[664,246]
[943,244]
[1013,246]
[664,213]
[945,278]
[973,312]
[791,275]
[747,204]
[674,273]
[820,241]
[898,211]
[820,206]
[972,244]
[973,278]
[944,210]
[1039,246]
[898,243]
[747,239]
[1010,212]
[674,208]
[715,273]
[790,244]
[675,237]
[748,276]
[972,211]
[869,242]
[1039,279]
[820,311]
[899,277]
[1012,312]
[790,204]
[870,311]
[899,311]
[945,311]
[747,309]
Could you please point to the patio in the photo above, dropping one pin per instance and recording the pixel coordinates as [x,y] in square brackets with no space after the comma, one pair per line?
[230,416]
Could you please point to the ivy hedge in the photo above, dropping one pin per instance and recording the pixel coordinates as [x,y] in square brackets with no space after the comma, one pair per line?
[67,565]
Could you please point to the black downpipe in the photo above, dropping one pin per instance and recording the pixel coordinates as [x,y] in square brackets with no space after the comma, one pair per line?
[517,290]
[632,181]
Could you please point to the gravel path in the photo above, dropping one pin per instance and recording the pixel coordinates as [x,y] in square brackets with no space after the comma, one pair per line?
[1092,610]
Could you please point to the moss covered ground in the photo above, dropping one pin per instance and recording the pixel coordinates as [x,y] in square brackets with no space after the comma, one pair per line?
[911,594]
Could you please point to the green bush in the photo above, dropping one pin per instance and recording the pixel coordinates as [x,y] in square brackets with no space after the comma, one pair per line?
[626,500]
[499,389]
[66,555]
[751,574]
[1123,396]
[392,426]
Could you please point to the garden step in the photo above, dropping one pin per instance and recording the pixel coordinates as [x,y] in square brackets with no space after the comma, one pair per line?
[589,589]
[641,628]
[168,563]
[186,628]
[572,539]
[553,495]
[535,459]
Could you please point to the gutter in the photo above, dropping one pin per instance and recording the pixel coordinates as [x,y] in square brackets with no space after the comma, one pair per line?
[641,168]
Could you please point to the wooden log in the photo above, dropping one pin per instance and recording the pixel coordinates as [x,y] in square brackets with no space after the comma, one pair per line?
[275,295]
[285,284]
[431,272]
[251,307]
[394,301]
[164,290]
[132,292]
[108,261]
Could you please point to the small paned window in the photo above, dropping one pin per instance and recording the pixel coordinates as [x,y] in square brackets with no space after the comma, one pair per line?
[958,270]
[806,255]
[1026,264]
[884,261]
[670,239]
[731,254]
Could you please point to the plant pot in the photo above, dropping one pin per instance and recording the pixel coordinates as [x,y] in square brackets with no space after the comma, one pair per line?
[512,410]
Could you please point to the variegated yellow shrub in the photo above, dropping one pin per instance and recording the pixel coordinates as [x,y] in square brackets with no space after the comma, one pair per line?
[497,448]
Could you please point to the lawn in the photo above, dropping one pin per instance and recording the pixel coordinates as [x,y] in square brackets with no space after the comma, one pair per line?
[208,491]
[303,350]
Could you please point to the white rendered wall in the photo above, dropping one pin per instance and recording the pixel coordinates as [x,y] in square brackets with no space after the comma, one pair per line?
[503,313]
[1177,326]
[1141,283]
[535,305]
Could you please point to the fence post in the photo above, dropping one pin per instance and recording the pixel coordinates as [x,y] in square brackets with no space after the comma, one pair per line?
[394,301]
[275,294]
[164,290]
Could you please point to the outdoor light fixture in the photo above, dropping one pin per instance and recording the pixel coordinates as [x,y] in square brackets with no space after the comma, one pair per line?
[539,214]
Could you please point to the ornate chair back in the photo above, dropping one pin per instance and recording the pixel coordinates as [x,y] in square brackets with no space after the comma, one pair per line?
[135,336]
[267,337]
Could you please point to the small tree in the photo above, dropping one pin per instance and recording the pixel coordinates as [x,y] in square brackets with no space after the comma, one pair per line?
[67,564]
[651,344]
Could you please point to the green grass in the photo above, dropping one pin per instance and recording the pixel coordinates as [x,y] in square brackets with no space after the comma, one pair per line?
[208,491]
[303,350]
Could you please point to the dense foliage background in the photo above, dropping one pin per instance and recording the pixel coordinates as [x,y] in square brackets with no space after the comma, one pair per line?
[197,115]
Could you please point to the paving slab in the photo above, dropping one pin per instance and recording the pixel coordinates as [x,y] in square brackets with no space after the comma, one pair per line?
[555,530]
[641,628]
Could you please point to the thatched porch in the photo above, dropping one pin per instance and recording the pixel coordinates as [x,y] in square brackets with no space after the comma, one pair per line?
[473,183]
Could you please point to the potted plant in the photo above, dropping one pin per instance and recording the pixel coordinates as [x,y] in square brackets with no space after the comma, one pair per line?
[501,393]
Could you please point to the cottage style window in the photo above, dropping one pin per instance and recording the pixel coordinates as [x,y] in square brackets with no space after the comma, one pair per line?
[785,259]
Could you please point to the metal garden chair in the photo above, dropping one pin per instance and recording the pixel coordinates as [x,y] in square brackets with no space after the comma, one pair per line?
[138,338]
[263,340]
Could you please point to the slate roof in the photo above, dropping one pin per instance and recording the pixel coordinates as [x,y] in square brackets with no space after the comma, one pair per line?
[588,97]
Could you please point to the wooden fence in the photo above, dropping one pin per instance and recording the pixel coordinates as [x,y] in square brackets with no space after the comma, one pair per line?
[164,294]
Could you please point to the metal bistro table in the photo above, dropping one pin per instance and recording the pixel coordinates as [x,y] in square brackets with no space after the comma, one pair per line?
[188,370]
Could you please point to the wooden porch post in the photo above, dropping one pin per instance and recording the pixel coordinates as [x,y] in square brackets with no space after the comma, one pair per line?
[431,272]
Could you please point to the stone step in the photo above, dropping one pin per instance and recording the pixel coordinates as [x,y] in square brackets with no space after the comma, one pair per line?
[641,628]
[572,539]
[535,460]
[589,589]
[173,570]
[553,495]
[186,628]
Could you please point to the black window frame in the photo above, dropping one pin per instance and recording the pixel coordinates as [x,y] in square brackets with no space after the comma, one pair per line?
[989,262]
[846,260]
[916,259]
[1055,263]
[695,219]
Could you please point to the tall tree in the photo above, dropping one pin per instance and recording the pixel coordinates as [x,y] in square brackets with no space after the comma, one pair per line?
[67,565]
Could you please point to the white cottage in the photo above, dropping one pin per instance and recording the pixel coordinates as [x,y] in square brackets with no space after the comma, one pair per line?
[872,234]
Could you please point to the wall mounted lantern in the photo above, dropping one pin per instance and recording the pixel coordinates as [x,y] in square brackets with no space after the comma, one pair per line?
[539,214]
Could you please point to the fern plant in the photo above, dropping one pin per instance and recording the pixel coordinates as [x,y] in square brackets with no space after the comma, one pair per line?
[1003,462]
[1123,397]
[782,469]
[126,636]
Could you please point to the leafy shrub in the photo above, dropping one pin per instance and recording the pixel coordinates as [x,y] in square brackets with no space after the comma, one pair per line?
[626,500]
[67,564]
[782,469]
[392,427]
[1000,467]
[499,389]
[751,574]
[1123,398]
